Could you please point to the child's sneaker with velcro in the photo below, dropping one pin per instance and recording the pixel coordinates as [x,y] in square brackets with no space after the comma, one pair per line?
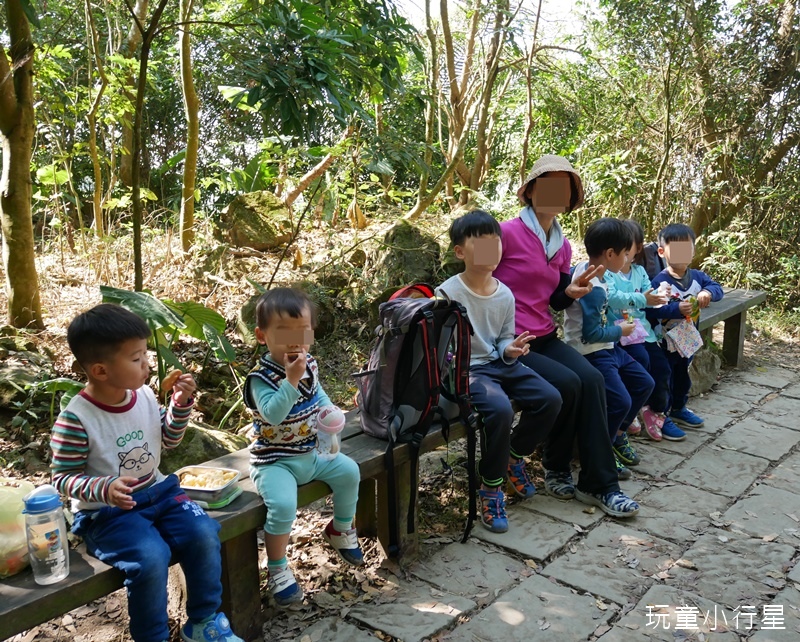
[615,503]
[213,629]
[671,432]
[519,481]
[283,587]
[624,451]
[635,428]
[685,418]
[345,544]
[623,472]
[559,484]
[493,510]
[652,423]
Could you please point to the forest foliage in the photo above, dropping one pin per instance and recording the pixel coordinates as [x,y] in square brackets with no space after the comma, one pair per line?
[682,110]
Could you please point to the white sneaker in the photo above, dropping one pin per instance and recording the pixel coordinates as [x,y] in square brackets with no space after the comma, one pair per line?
[284,587]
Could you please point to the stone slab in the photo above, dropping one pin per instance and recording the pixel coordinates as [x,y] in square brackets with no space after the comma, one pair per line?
[792,391]
[655,461]
[417,612]
[725,472]
[731,569]
[719,405]
[758,438]
[572,512]
[785,475]
[769,376]
[781,621]
[781,411]
[694,440]
[736,389]
[529,533]
[471,568]
[334,629]
[614,562]
[794,575]
[537,610]
[767,512]
[678,512]
[667,614]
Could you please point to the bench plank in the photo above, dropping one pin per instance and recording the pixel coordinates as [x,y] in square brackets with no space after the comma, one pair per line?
[732,310]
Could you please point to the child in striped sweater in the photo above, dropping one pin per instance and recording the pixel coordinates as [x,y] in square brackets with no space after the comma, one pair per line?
[106,450]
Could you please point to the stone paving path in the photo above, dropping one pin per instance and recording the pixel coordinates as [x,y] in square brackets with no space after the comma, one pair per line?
[710,556]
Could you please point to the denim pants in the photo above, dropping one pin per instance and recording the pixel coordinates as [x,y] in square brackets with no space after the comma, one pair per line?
[491,386]
[165,524]
[277,484]
[654,360]
[628,386]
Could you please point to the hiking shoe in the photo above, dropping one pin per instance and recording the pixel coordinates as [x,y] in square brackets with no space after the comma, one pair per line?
[493,510]
[615,503]
[213,629]
[623,473]
[635,428]
[624,451]
[284,588]
[345,544]
[671,432]
[559,484]
[652,423]
[685,418]
[519,481]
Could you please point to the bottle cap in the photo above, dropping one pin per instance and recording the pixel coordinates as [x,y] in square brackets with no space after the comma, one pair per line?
[43,499]
[330,419]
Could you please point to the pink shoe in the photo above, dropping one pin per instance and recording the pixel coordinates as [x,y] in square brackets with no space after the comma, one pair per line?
[652,423]
[635,428]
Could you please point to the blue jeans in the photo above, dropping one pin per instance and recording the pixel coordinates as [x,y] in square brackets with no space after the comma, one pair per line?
[490,387]
[277,484]
[628,386]
[165,524]
[654,359]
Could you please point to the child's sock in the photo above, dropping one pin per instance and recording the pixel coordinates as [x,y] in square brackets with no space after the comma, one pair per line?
[277,565]
[338,526]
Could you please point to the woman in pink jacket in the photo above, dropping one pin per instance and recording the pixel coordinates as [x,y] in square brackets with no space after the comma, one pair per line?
[536,267]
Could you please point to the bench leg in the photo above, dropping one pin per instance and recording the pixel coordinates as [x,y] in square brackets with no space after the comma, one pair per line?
[366,521]
[733,338]
[241,595]
[407,542]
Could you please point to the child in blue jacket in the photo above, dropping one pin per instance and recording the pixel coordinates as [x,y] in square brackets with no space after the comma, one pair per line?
[687,287]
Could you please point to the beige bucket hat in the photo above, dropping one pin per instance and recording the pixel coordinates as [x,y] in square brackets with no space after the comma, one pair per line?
[552,163]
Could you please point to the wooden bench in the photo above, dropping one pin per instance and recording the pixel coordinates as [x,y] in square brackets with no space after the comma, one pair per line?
[24,604]
[732,310]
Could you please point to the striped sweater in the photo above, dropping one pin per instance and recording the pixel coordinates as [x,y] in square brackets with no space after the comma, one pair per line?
[284,417]
[93,444]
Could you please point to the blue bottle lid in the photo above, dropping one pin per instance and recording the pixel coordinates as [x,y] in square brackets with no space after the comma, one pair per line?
[41,501]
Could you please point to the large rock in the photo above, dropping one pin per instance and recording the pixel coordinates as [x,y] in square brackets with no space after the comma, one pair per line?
[704,371]
[18,371]
[200,443]
[258,220]
[407,255]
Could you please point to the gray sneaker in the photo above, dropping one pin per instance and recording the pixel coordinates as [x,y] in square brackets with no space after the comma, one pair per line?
[615,503]
[559,484]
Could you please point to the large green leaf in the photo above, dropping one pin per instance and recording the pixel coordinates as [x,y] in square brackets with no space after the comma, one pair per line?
[29,10]
[61,384]
[145,305]
[195,316]
[222,348]
[169,359]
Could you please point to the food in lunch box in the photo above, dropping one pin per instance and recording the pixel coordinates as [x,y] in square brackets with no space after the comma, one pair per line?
[207,478]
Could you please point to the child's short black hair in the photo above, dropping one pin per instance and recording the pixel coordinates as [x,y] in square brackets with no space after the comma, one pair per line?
[607,233]
[638,238]
[676,232]
[95,335]
[475,223]
[284,301]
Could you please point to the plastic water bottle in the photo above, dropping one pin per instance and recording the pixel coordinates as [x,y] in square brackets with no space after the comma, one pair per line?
[330,422]
[46,531]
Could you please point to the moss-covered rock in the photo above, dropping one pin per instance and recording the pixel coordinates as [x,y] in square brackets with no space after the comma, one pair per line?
[200,444]
[407,255]
[18,370]
[258,220]
[704,371]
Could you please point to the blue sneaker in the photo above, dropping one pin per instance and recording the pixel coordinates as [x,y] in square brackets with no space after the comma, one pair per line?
[212,629]
[519,481]
[284,588]
[345,544]
[686,418]
[615,503]
[493,510]
[671,432]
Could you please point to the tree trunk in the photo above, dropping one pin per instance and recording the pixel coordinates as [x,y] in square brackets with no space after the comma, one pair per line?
[192,109]
[91,118]
[128,49]
[316,171]
[16,131]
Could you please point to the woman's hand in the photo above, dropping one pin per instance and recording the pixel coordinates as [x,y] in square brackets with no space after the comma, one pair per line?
[583,285]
